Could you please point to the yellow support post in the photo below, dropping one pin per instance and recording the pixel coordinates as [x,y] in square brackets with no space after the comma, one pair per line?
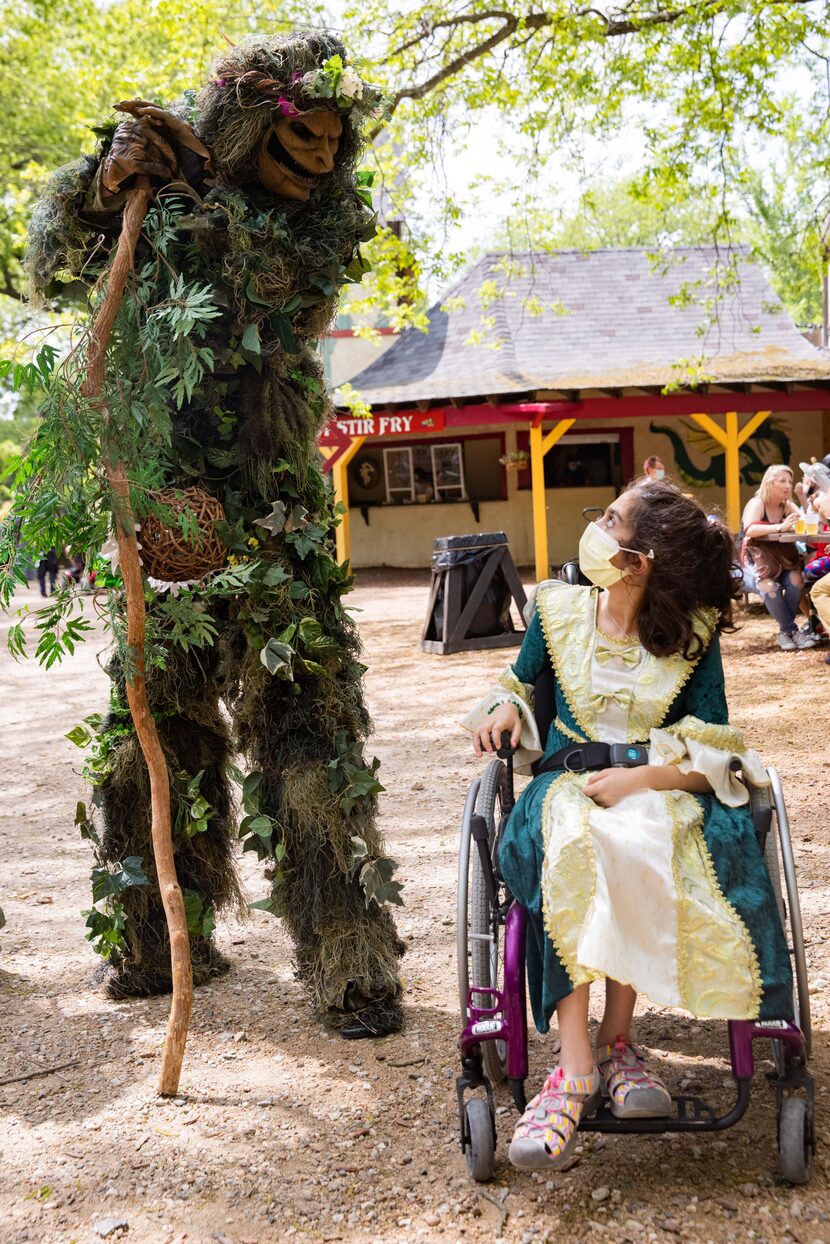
[714,429]
[752,425]
[733,471]
[731,437]
[539,446]
[340,480]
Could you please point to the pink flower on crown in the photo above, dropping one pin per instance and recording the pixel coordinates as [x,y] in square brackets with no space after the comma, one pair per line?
[287,108]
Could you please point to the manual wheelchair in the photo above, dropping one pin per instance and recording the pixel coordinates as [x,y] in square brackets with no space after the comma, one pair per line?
[490,935]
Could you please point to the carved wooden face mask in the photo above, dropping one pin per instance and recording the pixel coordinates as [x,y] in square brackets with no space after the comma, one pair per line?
[297,152]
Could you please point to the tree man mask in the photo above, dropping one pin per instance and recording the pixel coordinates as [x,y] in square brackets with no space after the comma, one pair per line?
[297,152]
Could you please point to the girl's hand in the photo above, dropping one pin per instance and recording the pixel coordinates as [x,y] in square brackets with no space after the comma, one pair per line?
[487,738]
[788,523]
[608,787]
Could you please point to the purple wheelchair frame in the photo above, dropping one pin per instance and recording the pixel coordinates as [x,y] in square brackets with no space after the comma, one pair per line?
[505,1019]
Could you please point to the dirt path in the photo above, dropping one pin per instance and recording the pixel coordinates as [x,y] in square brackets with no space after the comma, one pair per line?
[285,1132]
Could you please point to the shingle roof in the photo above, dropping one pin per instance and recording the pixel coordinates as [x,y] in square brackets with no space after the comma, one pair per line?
[610,321]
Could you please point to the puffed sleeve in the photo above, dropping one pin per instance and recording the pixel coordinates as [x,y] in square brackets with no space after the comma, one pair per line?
[515,686]
[702,741]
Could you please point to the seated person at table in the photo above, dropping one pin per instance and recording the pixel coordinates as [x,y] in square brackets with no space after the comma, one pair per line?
[820,572]
[776,565]
[649,877]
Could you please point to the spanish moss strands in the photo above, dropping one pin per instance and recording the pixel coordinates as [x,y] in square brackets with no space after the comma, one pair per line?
[214,385]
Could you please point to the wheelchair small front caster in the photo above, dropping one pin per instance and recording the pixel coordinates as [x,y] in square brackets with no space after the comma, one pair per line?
[480,1139]
[795,1144]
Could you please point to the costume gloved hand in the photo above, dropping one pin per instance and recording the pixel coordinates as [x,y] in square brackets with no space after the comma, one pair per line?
[143,145]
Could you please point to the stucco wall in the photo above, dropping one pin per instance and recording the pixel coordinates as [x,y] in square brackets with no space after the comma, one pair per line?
[404,535]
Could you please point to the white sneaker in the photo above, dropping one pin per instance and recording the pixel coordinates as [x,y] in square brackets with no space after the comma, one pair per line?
[787,642]
[805,639]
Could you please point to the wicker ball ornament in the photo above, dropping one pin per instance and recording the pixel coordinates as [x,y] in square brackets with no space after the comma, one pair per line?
[166,554]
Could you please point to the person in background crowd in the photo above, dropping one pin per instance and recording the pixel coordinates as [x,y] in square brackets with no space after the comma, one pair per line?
[820,590]
[806,490]
[575,475]
[653,468]
[777,565]
[47,563]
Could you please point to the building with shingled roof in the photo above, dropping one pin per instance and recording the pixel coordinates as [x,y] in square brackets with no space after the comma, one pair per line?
[546,379]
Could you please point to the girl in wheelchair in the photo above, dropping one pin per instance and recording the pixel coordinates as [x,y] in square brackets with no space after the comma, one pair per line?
[632,849]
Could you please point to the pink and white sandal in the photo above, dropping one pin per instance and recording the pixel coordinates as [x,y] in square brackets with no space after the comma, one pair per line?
[546,1133]
[635,1091]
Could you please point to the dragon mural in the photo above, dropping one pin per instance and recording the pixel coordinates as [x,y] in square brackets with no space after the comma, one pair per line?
[769,443]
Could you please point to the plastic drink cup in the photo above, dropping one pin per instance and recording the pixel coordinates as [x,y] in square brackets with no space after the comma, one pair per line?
[801,525]
[811,525]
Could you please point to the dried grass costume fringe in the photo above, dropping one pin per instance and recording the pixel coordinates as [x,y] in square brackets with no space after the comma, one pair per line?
[247,437]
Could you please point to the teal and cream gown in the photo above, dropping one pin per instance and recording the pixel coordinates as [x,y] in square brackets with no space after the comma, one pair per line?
[666,891]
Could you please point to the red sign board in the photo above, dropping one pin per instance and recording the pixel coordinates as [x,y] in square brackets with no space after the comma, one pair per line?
[339,433]
[347,427]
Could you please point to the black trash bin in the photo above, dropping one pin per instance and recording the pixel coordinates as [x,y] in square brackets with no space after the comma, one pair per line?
[474,581]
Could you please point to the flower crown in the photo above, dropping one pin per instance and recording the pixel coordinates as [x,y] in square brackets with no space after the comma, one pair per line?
[334,82]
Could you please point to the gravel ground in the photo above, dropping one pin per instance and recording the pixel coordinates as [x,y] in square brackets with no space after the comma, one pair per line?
[284,1132]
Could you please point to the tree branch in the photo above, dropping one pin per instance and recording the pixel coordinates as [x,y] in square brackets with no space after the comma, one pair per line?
[614,27]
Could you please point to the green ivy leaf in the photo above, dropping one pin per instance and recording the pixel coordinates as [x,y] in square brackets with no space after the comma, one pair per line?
[285,333]
[359,849]
[261,825]
[233,537]
[250,339]
[277,659]
[253,296]
[251,785]
[297,519]
[377,883]
[79,735]
[266,904]
[275,575]
[106,881]
[105,929]
[200,916]
[275,521]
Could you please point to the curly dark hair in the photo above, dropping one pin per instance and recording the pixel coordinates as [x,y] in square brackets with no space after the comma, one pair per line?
[694,567]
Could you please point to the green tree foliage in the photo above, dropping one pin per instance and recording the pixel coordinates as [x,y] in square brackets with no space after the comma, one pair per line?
[66,62]
[712,87]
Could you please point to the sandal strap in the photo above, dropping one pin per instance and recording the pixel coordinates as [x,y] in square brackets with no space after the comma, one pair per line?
[623,1067]
[554,1113]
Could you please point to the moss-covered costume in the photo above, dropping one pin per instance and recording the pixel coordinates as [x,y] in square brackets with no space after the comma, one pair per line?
[281,682]
[666,891]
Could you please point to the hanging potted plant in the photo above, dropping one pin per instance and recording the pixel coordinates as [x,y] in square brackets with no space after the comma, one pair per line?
[515,460]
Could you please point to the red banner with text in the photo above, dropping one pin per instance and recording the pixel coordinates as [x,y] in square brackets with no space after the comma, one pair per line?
[339,433]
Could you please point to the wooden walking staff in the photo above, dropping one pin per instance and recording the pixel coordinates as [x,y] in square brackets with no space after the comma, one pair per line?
[145,726]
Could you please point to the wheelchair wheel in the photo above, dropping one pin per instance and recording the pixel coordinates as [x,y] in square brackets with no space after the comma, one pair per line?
[480,1140]
[795,1140]
[479,926]
[789,909]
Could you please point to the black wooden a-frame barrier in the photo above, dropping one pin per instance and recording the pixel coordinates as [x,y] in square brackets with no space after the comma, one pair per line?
[450,617]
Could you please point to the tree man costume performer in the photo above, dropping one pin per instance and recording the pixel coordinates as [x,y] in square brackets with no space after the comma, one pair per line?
[258,218]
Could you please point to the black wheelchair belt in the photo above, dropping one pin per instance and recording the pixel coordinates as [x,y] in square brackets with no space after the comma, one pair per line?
[582,757]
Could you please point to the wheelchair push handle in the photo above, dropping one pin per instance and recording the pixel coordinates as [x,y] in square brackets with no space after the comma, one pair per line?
[506,749]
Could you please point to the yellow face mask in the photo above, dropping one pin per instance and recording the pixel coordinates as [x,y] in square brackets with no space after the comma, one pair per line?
[596,548]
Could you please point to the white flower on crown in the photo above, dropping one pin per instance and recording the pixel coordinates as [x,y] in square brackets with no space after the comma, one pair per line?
[350,84]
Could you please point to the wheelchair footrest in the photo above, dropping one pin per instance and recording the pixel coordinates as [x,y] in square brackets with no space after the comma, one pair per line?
[691,1114]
